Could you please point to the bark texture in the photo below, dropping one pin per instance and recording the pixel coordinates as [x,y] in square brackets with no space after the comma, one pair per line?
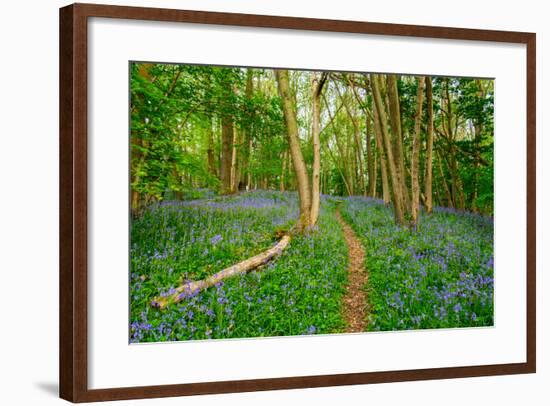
[192,288]
[415,185]
[397,132]
[395,182]
[429,146]
[226,153]
[304,191]
[317,88]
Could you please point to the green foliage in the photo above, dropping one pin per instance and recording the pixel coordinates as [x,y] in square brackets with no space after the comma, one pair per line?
[161,149]
[175,115]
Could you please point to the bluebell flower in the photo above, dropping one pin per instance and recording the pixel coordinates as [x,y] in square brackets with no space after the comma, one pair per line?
[214,240]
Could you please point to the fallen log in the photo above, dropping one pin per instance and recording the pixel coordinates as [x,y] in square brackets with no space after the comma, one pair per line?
[194,287]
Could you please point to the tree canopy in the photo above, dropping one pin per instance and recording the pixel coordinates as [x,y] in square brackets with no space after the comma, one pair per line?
[413,141]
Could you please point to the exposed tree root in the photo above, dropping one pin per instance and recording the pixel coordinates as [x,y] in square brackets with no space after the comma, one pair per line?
[191,288]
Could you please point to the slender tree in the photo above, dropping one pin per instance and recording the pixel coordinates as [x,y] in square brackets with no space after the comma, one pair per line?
[226,153]
[429,146]
[397,132]
[357,141]
[395,179]
[316,87]
[415,186]
[289,112]
[382,155]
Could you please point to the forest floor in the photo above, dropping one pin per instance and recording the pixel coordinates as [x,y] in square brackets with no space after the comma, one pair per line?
[355,298]
[355,271]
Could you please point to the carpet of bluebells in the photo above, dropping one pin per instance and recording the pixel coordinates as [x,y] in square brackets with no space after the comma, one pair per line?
[438,276]
[299,293]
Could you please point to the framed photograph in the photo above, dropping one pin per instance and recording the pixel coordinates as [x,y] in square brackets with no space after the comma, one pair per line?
[254,202]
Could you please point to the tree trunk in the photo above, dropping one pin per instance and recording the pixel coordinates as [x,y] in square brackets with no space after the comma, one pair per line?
[456,185]
[191,288]
[429,146]
[336,164]
[316,87]
[374,172]
[289,112]
[395,122]
[235,175]
[226,153]
[348,167]
[358,159]
[477,141]
[136,154]
[210,150]
[361,169]
[344,172]
[316,116]
[450,202]
[139,157]
[283,170]
[381,154]
[249,171]
[396,186]
[246,136]
[415,185]
[371,168]
[478,129]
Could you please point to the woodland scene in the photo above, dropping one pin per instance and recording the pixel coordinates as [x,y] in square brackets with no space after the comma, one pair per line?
[272,202]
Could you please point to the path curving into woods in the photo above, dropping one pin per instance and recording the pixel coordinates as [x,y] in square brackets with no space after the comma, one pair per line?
[355,298]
